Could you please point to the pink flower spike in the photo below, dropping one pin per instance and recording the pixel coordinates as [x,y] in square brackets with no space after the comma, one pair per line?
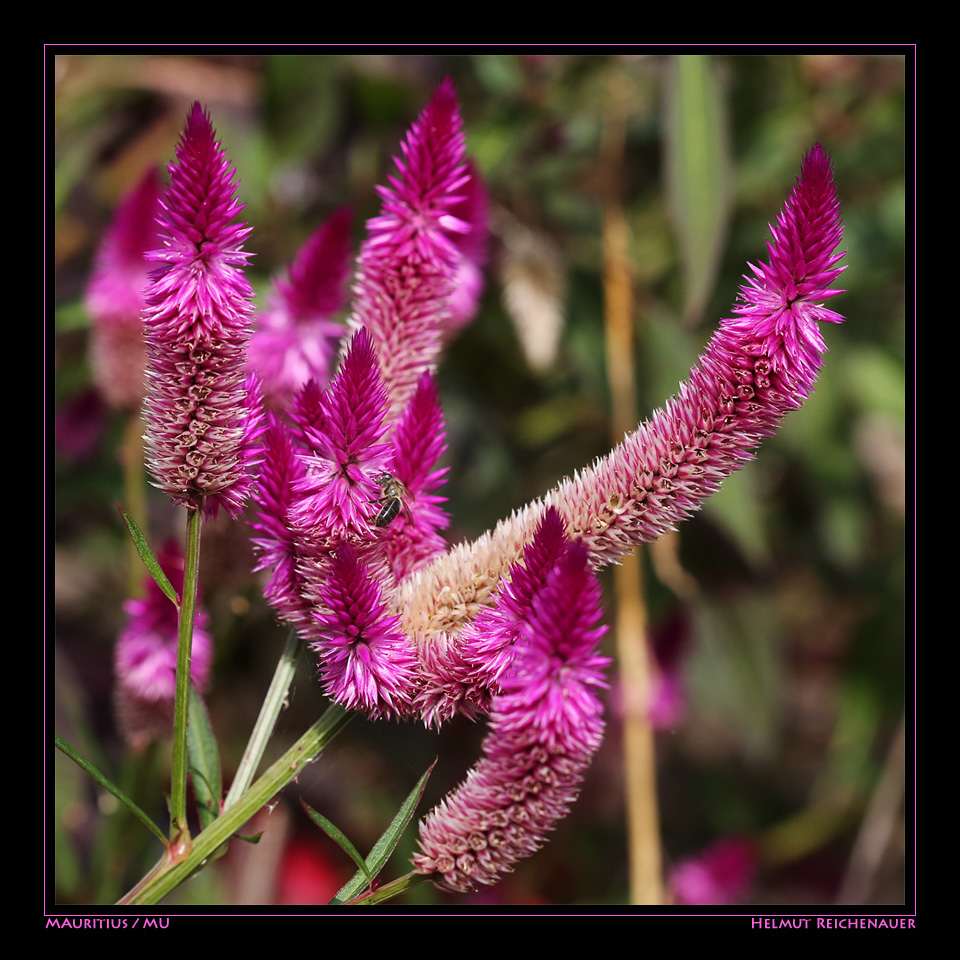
[757,368]
[336,498]
[367,663]
[202,419]
[410,260]
[297,338]
[115,296]
[145,660]
[545,727]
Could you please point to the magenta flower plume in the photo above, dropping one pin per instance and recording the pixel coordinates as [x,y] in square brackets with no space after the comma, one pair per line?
[336,500]
[546,724]
[115,296]
[366,661]
[757,367]
[145,659]
[409,263]
[297,337]
[202,421]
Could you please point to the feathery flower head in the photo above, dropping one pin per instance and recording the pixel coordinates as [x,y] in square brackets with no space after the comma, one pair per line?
[202,419]
[546,724]
[366,661]
[296,337]
[757,368]
[114,296]
[409,263]
[145,659]
[334,499]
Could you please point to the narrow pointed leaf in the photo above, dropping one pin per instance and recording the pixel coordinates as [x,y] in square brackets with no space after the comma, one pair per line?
[110,786]
[387,843]
[204,758]
[149,560]
[339,838]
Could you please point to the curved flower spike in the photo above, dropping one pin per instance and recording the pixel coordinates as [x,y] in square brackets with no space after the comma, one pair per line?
[202,419]
[757,367]
[546,724]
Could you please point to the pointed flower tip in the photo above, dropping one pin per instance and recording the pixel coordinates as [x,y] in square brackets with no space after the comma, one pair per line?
[816,162]
[198,121]
[445,96]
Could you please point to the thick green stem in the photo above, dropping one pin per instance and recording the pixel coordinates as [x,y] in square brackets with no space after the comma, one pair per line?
[167,875]
[179,832]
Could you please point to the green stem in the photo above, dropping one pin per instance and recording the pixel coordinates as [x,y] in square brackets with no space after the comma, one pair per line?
[389,890]
[272,704]
[167,875]
[179,832]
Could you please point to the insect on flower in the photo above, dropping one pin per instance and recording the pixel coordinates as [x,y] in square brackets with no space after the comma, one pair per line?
[393,500]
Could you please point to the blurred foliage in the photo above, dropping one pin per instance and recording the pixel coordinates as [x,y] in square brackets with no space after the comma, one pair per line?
[795,674]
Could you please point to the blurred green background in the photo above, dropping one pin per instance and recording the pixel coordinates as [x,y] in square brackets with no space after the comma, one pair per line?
[789,586]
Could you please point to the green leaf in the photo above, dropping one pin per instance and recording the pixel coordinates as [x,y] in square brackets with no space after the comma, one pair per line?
[149,560]
[384,847]
[698,173]
[204,759]
[339,838]
[109,785]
